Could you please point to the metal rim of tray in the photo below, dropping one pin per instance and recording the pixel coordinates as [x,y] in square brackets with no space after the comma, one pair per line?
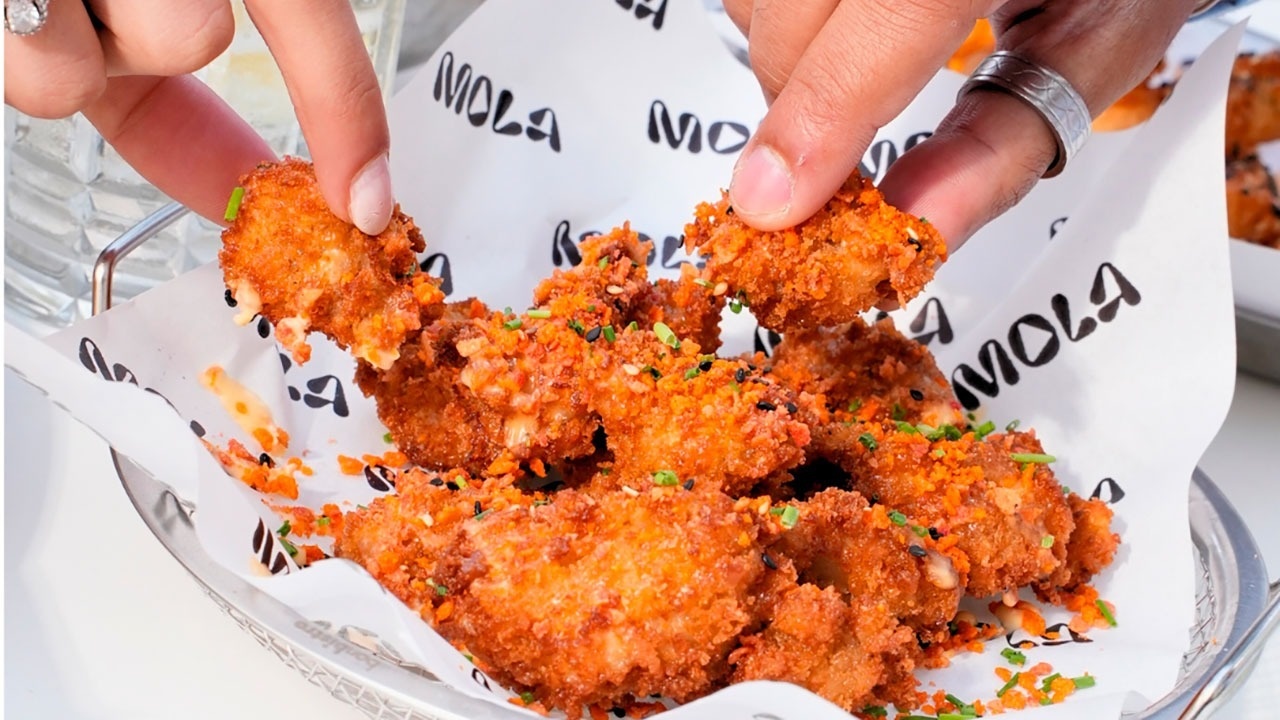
[1234,609]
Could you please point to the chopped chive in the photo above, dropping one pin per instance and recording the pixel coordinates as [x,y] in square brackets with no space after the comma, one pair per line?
[512,324]
[604,263]
[704,282]
[855,405]
[955,701]
[906,427]
[606,470]
[665,478]
[289,547]
[897,518]
[386,437]
[1046,541]
[1047,682]
[442,590]
[1106,612]
[733,385]
[526,697]
[1013,425]
[233,205]
[577,327]
[666,335]
[285,529]
[1014,657]
[322,521]
[984,430]
[951,432]
[898,412]
[506,310]
[692,373]
[1009,685]
[930,432]
[483,514]
[790,516]
[1066,490]
[539,313]
[1084,681]
[920,531]
[591,307]
[735,307]
[868,441]
[953,716]
[608,333]
[1032,458]
[875,711]
[633,325]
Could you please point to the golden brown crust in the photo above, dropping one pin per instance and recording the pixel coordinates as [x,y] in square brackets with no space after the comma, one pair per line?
[289,258]
[1253,207]
[855,252]
[1253,103]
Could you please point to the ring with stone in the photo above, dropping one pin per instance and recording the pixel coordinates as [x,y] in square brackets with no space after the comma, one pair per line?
[25,17]
[1047,92]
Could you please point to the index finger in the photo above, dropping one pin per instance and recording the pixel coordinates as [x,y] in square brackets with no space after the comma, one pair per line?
[865,65]
[331,81]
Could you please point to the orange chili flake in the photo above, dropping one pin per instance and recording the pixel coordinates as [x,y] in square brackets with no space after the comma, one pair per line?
[349,465]
[444,611]
[1014,700]
[1004,674]
[264,438]
[394,458]
[946,542]
[598,713]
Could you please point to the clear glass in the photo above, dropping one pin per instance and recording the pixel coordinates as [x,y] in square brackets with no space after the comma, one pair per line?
[68,194]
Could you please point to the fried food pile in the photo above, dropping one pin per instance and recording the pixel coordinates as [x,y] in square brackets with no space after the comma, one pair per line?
[602,509]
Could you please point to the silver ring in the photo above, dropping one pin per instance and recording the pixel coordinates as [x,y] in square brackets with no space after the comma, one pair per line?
[25,17]
[1044,90]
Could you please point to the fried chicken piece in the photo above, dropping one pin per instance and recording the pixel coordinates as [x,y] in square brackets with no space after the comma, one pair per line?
[821,642]
[667,408]
[287,257]
[1253,103]
[1001,520]
[690,306]
[870,371]
[842,542]
[434,420]
[400,538]
[853,253]
[603,288]
[1090,549]
[1253,204]
[597,599]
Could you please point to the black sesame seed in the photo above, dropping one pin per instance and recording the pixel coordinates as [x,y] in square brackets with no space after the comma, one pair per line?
[231,299]
[728,210]
[265,459]
[654,372]
[688,484]
[766,405]
[874,499]
[751,367]
[917,551]
[704,366]
[768,561]
[934,534]
[437,482]
[477,508]
[791,408]
[767,369]
[914,243]
[916,395]
[741,375]
[618,712]
[593,334]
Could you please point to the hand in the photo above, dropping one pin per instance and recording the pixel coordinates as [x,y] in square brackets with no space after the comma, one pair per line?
[835,71]
[125,65]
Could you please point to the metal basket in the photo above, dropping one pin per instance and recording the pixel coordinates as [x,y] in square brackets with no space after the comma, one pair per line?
[1235,608]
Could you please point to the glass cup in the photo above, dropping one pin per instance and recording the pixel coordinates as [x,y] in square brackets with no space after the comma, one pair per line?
[68,194]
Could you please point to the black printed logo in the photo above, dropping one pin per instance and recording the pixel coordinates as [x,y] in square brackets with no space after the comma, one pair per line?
[1033,339]
[1055,226]
[321,392]
[263,326]
[930,323]
[652,10]
[1054,635]
[723,137]
[380,477]
[438,265]
[766,341]
[270,550]
[92,358]
[884,153]
[1108,491]
[472,93]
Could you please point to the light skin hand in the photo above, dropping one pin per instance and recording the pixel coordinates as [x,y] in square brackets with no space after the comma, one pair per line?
[127,68]
[835,71]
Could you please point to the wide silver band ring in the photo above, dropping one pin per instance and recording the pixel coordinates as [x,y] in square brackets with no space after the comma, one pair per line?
[1044,90]
[25,17]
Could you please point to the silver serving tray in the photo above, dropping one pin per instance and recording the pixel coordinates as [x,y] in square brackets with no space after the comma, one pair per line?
[1234,610]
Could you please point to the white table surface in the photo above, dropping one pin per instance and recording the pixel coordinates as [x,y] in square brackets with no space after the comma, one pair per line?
[117,629]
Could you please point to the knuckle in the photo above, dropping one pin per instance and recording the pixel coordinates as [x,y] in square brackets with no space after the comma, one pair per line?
[204,35]
[62,92]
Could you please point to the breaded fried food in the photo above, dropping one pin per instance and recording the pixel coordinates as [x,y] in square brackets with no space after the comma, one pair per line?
[1134,107]
[669,409]
[871,371]
[287,257]
[1004,516]
[1090,549]
[855,252]
[603,288]
[1253,204]
[400,538]
[816,639]
[840,541]
[1253,103]
[599,599]
[435,421]
[690,306]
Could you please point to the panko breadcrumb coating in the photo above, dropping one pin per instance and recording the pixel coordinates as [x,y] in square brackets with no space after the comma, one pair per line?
[856,252]
[1253,205]
[690,306]
[1253,103]
[287,257]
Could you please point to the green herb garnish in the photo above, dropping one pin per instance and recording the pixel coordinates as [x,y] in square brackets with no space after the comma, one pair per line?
[233,204]
[897,518]
[512,324]
[608,333]
[665,478]
[1014,657]
[1040,458]
[868,441]
[666,335]
[1046,541]
[1106,612]
[539,313]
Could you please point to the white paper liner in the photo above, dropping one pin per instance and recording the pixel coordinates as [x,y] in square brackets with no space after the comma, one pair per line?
[1130,404]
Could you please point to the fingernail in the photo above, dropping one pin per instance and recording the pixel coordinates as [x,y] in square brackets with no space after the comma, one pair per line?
[762,183]
[371,201]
